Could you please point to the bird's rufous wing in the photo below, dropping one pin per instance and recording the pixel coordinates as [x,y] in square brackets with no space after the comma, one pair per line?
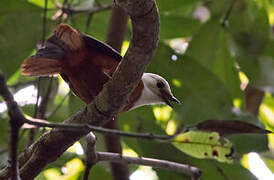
[84,62]
[102,54]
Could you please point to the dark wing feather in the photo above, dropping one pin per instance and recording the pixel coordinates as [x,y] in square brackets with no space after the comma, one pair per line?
[100,47]
[53,49]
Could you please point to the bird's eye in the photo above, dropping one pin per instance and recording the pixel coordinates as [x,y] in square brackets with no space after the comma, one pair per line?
[160,84]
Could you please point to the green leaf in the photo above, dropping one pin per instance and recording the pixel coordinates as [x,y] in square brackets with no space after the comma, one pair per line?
[251,33]
[98,27]
[211,48]
[204,145]
[75,104]
[203,94]
[268,158]
[73,167]
[17,6]
[170,28]
[18,38]
[165,5]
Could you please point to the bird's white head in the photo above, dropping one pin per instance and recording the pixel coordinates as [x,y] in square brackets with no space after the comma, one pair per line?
[156,91]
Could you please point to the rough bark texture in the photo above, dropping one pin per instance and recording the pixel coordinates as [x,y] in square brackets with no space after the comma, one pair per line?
[115,36]
[51,145]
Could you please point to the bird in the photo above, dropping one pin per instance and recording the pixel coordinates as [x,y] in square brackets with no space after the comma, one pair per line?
[86,64]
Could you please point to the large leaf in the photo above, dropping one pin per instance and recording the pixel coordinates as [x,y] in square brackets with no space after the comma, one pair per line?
[173,26]
[164,5]
[211,48]
[98,26]
[251,33]
[203,94]
[17,6]
[18,37]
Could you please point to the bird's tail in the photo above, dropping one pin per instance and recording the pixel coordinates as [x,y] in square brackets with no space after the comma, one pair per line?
[41,66]
[48,60]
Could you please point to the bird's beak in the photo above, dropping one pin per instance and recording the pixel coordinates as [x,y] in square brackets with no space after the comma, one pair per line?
[168,98]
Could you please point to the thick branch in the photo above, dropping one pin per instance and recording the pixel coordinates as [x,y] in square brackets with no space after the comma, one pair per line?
[52,144]
[115,36]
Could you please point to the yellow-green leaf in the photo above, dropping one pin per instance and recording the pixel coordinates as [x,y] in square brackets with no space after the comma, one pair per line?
[205,145]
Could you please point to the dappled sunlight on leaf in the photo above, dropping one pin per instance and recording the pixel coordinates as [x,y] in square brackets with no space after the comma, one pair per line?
[129,152]
[268,114]
[179,45]
[144,173]
[244,161]
[63,87]
[266,111]
[124,47]
[244,80]
[162,114]
[271,142]
[205,145]
[76,148]
[51,174]
[171,127]
[176,83]
[70,172]
[237,102]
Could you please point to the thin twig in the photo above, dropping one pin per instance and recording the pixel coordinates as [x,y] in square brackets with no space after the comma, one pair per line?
[227,14]
[44,25]
[90,154]
[44,102]
[36,110]
[37,97]
[41,111]
[156,163]
[80,127]
[90,9]
[88,22]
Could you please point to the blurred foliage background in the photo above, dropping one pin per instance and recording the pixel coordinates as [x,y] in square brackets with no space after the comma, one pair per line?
[213,53]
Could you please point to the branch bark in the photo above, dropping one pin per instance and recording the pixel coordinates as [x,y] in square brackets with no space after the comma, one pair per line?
[94,157]
[115,36]
[51,145]
[194,172]
[16,121]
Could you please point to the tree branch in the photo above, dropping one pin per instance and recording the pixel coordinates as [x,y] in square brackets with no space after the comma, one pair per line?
[51,145]
[90,154]
[156,163]
[89,9]
[112,132]
[115,36]
[15,124]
